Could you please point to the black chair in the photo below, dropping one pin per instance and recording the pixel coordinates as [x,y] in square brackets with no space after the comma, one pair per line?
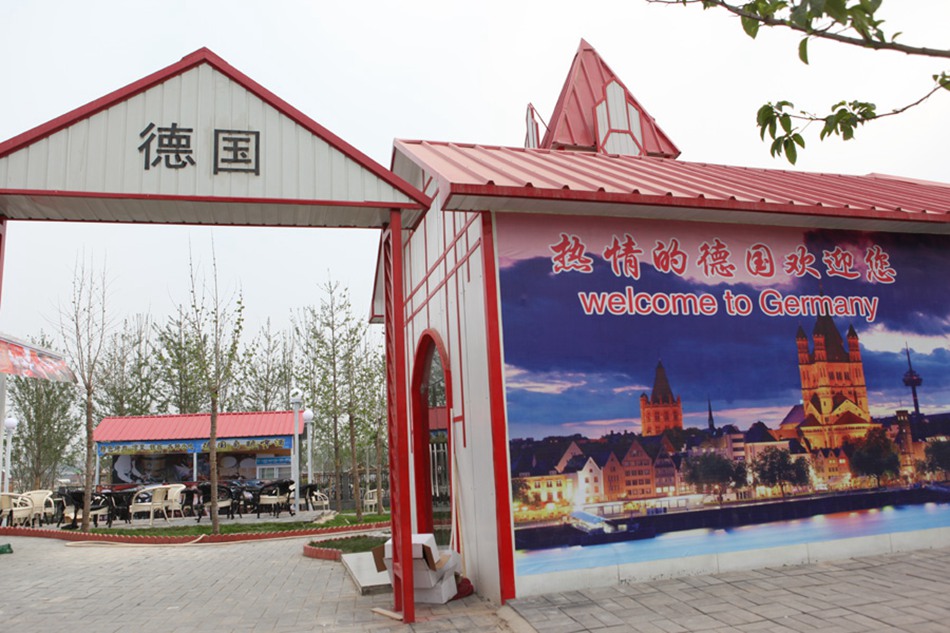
[277,495]
[100,506]
[229,500]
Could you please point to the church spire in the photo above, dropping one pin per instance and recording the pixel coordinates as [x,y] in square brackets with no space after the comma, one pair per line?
[662,392]
[712,423]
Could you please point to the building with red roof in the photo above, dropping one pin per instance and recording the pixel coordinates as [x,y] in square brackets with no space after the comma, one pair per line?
[172,448]
[550,280]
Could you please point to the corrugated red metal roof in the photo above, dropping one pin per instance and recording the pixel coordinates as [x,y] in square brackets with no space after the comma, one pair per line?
[573,123]
[504,178]
[193,426]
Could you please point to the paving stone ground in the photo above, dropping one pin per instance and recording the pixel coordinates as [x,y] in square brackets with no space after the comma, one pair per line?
[258,586]
[255,586]
[907,592]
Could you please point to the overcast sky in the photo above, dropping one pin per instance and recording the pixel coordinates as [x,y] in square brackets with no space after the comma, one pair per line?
[374,71]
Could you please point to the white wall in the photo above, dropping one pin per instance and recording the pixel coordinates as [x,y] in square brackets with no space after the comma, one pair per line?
[447,294]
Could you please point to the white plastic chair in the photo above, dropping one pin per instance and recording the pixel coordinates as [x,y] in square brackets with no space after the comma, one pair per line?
[173,501]
[371,501]
[16,509]
[319,499]
[151,500]
[43,508]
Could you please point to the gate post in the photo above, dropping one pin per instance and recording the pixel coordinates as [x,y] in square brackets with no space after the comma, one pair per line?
[397,413]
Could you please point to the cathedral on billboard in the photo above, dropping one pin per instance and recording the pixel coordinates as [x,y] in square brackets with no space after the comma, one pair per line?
[661,410]
[834,392]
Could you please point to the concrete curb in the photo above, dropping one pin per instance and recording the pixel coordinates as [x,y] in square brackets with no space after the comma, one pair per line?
[323,553]
[72,535]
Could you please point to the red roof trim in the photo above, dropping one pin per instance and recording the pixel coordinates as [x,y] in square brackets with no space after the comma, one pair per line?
[538,174]
[193,426]
[43,193]
[206,56]
[698,202]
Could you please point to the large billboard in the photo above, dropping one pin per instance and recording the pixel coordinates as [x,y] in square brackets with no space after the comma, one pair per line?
[632,345]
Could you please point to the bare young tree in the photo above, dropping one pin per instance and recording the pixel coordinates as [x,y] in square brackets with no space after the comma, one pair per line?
[322,334]
[216,325]
[84,326]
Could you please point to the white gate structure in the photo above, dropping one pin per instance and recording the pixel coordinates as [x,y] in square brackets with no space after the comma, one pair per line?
[199,142]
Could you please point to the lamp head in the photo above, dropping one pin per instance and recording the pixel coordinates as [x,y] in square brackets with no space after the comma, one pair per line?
[308,416]
[296,397]
[11,423]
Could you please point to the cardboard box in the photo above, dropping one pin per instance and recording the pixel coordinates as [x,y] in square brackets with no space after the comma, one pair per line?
[425,577]
[418,540]
[443,591]
[427,570]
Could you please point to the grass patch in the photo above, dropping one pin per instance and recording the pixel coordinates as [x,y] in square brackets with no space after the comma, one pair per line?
[352,544]
[342,520]
[198,529]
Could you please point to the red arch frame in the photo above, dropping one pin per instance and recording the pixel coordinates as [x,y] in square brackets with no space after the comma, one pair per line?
[428,340]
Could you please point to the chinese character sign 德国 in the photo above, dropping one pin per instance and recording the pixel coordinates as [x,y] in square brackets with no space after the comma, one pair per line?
[173,147]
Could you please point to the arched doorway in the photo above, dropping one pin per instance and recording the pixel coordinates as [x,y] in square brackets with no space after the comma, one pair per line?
[431,404]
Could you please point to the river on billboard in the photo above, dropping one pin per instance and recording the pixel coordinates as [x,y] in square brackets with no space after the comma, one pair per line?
[666,377]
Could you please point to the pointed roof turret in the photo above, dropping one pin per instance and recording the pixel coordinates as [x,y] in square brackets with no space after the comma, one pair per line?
[597,113]
[834,344]
[662,392]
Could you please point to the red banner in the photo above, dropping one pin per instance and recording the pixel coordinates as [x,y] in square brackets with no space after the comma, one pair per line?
[21,359]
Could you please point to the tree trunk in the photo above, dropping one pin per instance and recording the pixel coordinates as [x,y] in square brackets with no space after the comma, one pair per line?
[213,462]
[90,462]
[337,465]
[355,461]
[379,468]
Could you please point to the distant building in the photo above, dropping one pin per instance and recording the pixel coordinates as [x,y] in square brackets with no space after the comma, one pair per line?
[661,410]
[758,439]
[831,468]
[637,472]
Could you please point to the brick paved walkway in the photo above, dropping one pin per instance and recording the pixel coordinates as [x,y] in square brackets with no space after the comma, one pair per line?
[47,585]
[894,592]
[257,586]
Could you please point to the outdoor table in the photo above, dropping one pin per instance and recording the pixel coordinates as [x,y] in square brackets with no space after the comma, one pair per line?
[306,491]
[111,499]
[75,497]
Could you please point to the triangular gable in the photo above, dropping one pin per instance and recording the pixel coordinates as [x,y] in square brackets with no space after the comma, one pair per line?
[596,112]
[197,133]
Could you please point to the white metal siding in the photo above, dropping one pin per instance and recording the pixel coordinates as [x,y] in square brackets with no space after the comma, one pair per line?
[100,154]
[456,310]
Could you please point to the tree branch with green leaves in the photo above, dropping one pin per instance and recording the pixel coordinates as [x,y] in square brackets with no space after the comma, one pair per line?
[848,22]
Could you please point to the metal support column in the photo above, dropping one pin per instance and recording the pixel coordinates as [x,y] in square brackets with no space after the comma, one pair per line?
[397,409]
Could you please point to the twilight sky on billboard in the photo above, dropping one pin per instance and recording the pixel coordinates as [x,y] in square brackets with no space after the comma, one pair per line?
[590,305]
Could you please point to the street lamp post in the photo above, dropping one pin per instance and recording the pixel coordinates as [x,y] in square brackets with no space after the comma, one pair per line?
[3,456]
[3,432]
[308,420]
[10,424]
[296,400]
